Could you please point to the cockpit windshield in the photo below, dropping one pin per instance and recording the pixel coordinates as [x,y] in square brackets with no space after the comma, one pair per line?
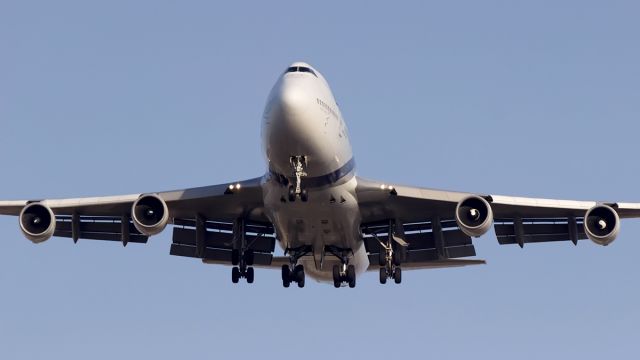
[301,69]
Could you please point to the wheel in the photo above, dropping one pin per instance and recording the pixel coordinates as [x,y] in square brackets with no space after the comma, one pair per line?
[396,258]
[292,194]
[235,257]
[250,275]
[301,279]
[286,272]
[397,275]
[351,276]
[304,196]
[286,276]
[383,276]
[382,258]
[235,274]
[336,276]
[248,257]
[298,273]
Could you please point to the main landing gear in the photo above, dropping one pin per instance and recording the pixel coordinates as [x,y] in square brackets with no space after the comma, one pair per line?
[242,262]
[298,163]
[389,258]
[343,273]
[389,264]
[296,274]
[241,256]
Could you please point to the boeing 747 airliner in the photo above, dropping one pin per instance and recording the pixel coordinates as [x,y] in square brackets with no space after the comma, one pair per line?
[331,224]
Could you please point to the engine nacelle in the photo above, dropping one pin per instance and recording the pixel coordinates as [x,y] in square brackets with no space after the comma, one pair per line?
[150,214]
[602,224]
[474,216]
[37,222]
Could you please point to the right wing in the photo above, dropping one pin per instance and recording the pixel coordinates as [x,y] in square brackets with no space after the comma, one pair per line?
[425,220]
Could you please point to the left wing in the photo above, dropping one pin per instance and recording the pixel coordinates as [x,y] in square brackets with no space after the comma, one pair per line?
[427,220]
[203,219]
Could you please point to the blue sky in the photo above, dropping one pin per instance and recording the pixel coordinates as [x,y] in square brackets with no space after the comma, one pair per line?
[507,97]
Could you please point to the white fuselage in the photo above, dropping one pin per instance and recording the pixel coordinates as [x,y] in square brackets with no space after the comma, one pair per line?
[302,118]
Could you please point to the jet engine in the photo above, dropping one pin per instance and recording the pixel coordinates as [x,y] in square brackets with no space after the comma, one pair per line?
[474,216]
[602,224]
[37,222]
[150,214]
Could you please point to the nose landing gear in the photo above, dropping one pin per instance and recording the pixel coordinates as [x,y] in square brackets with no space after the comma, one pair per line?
[298,163]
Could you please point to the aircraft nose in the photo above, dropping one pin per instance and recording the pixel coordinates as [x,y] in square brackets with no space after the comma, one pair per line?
[293,100]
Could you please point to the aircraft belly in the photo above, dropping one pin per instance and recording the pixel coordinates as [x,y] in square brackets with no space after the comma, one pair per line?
[331,216]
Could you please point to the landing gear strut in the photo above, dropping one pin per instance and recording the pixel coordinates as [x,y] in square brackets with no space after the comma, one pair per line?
[344,273]
[297,274]
[298,163]
[389,259]
[242,261]
[242,257]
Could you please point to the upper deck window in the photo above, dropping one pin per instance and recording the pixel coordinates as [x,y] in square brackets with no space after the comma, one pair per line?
[301,69]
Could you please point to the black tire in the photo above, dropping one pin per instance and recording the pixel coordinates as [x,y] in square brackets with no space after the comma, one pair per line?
[397,275]
[292,194]
[396,258]
[286,273]
[248,257]
[301,279]
[304,195]
[286,276]
[298,273]
[235,274]
[250,275]
[383,276]
[351,276]
[235,257]
[382,257]
[336,276]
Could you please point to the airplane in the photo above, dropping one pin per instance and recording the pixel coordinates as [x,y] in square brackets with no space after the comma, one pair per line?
[331,224]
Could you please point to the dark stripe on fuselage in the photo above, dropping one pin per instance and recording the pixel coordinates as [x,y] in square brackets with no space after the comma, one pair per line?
[319,181]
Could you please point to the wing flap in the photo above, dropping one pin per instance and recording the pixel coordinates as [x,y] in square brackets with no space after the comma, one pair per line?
[220,256]
[538,230]
[98,228]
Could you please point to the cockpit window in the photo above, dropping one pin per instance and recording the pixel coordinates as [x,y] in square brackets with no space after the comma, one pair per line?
[301,69]
[306,69]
